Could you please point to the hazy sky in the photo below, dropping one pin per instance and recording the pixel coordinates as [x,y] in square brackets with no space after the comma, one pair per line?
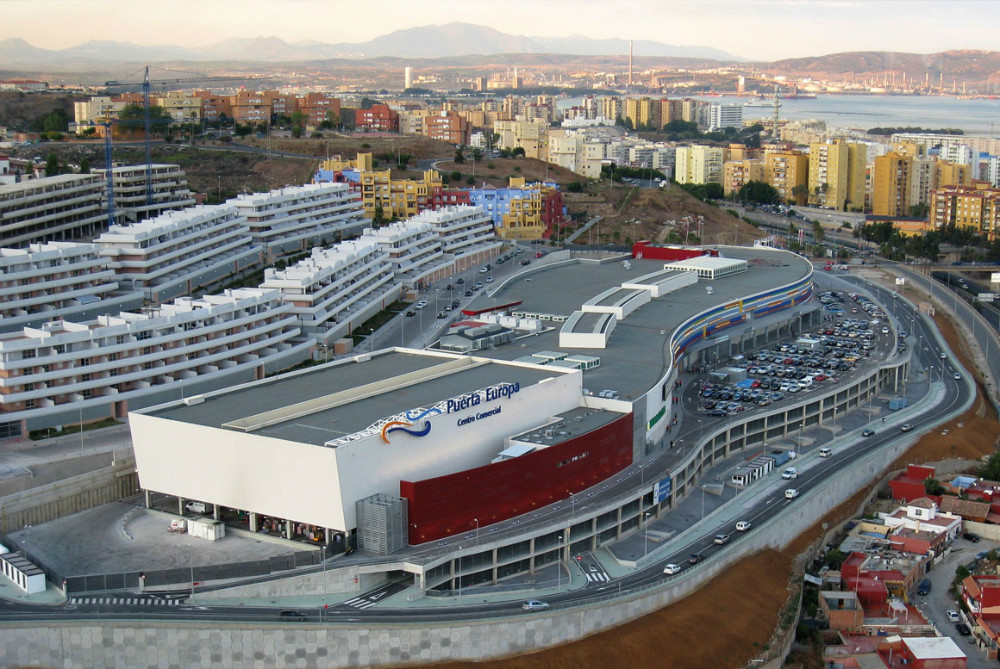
[755,29]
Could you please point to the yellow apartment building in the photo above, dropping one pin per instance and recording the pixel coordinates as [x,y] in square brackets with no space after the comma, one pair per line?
[788,173]
[698,164]
[736,173]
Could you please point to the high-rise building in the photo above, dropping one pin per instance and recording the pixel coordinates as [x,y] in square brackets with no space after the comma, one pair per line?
[891,179]
[837,175]
[737,173]
[788,173]
[698,164]
[725,116]
[407,78]
[972,207]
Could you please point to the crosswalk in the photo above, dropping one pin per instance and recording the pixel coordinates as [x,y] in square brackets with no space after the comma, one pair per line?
[361,602]
[124,601]
[598,577]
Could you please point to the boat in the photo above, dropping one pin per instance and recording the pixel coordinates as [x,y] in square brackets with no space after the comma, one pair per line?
[760,102]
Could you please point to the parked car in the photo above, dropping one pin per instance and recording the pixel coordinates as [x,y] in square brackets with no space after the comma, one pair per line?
[953,616]
[925,587]
[969,536]
[963,629]
[534,605]
[672,569]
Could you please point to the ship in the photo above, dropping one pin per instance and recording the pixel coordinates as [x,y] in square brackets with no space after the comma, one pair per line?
[760,102]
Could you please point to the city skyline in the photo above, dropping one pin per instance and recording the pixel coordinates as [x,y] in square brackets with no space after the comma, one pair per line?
[764,30]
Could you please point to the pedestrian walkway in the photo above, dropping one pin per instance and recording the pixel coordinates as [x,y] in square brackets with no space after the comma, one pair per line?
[123,601]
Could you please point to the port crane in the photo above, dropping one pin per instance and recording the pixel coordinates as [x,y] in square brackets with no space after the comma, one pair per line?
[145,84]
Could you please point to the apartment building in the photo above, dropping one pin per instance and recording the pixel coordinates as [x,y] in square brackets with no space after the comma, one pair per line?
[698,164]
[414,251]
[294,219]
[252,107]
[449,127]
[411,121]
[737,173]
[73,372]
[611,107]
[837,175]
[215,107]
[466,233]
[380,118]
[788,173]
[532,136]
[516,211]
[175,253]
[67,207]
[57,280]
[398,198]
[725,116]
[319,107]
[169,191]
[642,112]
[891,179]
[183,108]
[335,290]
[972,207]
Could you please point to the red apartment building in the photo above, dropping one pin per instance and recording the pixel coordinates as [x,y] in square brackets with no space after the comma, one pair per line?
[981,596]
[214,107]
[380,118]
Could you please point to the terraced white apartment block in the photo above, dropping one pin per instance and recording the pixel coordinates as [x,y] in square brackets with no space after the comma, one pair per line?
[130,360]
[63,280]
[466,233]
[67,207]
[335,290]
[175,253]
[297,218]
[415,252]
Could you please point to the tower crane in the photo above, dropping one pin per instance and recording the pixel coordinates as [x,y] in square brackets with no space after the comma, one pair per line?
[145,83]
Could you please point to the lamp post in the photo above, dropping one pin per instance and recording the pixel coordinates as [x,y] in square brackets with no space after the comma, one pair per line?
[645,536]
[476,521]
[559,565]
[81,424]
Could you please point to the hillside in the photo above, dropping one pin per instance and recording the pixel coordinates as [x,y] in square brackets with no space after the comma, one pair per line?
[970,66]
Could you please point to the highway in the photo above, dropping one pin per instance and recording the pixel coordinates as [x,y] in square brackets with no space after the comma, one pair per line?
[767,495]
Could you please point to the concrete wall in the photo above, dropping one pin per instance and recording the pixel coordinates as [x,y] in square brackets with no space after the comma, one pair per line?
[62,498]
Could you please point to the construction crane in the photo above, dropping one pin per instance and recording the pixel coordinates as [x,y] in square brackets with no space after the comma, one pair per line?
[145,114]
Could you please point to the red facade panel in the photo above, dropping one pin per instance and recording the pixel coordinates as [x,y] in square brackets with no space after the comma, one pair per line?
[447,505]
[651,251]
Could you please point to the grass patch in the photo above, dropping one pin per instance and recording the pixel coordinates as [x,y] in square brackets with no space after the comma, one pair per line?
[51,432]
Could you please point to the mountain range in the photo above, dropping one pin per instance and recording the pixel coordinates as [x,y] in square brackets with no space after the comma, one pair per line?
[453,39]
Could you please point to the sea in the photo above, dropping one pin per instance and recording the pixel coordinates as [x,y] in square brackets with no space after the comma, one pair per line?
[976,116]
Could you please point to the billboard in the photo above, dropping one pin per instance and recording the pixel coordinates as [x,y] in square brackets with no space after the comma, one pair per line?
[662,490]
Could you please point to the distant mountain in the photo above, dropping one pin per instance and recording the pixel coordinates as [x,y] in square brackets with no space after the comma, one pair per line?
[453,39]
[971,66]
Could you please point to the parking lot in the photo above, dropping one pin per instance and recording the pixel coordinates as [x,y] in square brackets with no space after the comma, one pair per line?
[764,377]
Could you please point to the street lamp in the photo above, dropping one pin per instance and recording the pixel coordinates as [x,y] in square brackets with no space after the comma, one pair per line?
[559,565]
[645,536]
[476,521]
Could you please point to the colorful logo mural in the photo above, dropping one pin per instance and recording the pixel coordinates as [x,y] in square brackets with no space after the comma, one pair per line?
[416,426]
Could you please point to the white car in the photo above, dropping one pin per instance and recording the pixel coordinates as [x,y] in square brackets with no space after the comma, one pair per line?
[743,526]
[956,376]
[534,605]
[420,305]
[672,569]
[791,493]
[952,616]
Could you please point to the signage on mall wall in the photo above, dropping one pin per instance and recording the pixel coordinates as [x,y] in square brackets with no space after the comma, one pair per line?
[419,425]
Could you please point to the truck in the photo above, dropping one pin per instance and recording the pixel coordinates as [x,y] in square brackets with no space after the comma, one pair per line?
[897,403]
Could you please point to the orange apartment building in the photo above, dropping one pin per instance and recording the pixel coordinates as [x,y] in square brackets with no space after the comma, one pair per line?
[214,107]
[318,107]
[449,127]
[976,207]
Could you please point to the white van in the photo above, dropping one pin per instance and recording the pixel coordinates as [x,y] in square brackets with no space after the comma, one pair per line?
[790,473]
[743,526]
[825,452]
[196,507]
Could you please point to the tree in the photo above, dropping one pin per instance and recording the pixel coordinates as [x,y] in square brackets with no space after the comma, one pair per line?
[574,187]
[459,157]
[297,131]
[991,470]
[456,175]
[379,218]
[819,234]
[517,152]
[84,165]
[51,165]
[55,121]
[920,210]
[132,118]
[757,192]
[800,193]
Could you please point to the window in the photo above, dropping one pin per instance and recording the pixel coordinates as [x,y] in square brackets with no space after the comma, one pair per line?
[27,355]
[84,362]
[85,377]
[112,357]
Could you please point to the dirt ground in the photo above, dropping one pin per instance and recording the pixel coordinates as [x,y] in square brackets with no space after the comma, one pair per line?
[743,606]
